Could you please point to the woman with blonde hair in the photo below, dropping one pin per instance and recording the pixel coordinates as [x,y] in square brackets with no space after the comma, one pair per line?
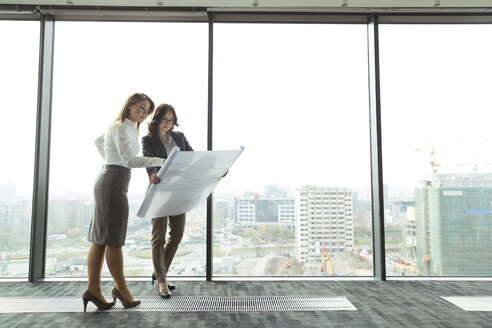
[119,148]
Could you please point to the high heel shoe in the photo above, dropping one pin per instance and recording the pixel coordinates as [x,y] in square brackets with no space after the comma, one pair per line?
[170,286]
[127,304]
[88,296]
[163,294]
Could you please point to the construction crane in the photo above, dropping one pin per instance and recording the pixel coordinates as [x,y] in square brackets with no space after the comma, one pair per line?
[434,165]
[325,257]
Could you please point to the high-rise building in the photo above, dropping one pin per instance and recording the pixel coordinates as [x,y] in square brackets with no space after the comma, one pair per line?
[15,216]
[273,191]
[272,207]
[324,219]
[399,211]
[221,209]
[254,211]
[408,249]
[454,225]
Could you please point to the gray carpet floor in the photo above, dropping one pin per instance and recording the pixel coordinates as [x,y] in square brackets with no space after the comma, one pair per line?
[379,304]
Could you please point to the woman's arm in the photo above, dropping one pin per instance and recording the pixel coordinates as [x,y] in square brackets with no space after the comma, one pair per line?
[99,142]
[124,138]
[187,146]
[148,151]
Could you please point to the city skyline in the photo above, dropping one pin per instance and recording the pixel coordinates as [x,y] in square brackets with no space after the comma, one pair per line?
[305,125]
[68,211]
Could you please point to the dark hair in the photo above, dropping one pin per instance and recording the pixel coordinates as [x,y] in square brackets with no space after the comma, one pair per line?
[160,111]
[134,98]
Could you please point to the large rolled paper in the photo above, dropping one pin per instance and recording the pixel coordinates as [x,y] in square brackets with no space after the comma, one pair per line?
[187,178]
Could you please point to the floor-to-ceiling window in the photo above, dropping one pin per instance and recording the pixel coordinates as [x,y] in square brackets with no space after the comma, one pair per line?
[435,95]
[97,65]
[297,201]
[19,60]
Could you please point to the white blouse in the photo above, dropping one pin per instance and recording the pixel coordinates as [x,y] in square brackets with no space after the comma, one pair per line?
[120,146]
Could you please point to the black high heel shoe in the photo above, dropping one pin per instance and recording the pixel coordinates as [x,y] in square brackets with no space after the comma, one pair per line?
[127,304]
[88,296]
[170,286]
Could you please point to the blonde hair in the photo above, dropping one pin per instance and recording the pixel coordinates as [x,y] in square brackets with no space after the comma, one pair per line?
[125,111]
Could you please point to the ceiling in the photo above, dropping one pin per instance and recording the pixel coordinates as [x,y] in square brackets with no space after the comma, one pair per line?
[276,5]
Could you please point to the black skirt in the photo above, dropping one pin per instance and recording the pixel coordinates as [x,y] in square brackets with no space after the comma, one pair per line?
[110,220]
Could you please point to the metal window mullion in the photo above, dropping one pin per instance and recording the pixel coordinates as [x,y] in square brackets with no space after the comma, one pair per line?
[210,203]
[37,258]
[376,150]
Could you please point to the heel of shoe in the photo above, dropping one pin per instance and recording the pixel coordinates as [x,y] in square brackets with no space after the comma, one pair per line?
[116,294]
[153,278]
[88,296]
[85,303]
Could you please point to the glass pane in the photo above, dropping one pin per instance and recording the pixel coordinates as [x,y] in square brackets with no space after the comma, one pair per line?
[297,201]
[97,66]
[435,82]
[18,88]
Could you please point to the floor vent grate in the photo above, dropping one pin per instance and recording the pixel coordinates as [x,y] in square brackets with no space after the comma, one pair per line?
[183,304]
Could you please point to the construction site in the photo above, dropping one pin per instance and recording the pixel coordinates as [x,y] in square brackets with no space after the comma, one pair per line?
[342,264]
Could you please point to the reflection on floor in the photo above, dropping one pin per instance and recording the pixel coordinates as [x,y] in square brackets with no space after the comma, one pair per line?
[471,303]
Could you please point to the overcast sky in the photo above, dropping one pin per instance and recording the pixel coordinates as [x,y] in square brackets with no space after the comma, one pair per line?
[294,95]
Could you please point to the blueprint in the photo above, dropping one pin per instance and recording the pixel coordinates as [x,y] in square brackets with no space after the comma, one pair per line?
[187,179]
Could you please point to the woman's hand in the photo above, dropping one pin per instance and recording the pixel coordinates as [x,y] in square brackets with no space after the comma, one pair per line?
[154,179]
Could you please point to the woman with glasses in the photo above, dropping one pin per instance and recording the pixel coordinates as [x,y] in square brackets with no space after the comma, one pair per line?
[159,142]
[119,148]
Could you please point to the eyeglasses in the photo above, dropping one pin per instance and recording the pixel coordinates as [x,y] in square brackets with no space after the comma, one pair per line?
[163,120]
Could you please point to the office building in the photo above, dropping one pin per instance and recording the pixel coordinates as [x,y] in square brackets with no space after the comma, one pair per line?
[324,219]
[454,225]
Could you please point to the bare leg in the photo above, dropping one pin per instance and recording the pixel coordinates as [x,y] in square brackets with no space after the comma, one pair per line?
[114,259]
[95,260]
[163,288]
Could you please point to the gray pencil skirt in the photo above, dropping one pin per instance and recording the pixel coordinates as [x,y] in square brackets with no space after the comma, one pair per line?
[110,220]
